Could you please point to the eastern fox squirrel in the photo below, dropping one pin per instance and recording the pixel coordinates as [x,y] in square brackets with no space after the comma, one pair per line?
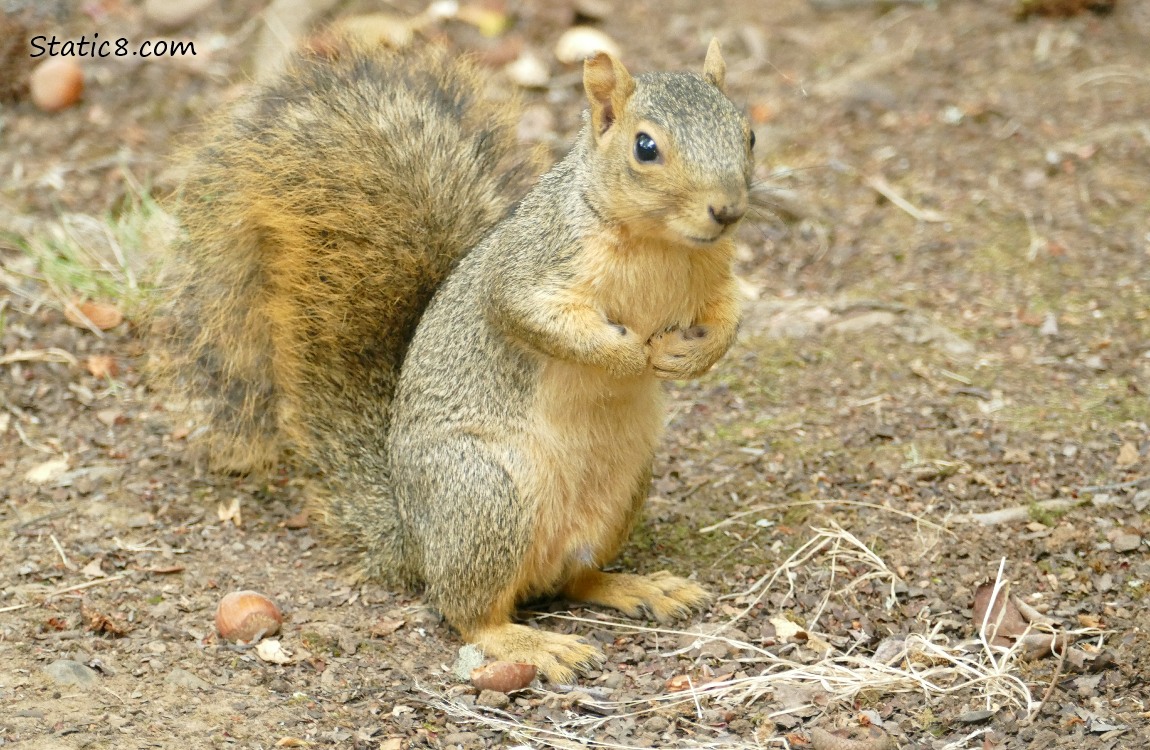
[494,444]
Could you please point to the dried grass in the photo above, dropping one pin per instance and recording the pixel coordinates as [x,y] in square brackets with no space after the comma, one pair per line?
[926,662]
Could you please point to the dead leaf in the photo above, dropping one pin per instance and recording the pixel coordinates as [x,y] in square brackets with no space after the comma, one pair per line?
[93,569]
[298,521]
[292,742]
[102,366]
[163,570]
[103,624]
[273,652]
[46,472]
[872,738]
[1127,455]
[392,743]
[230,512]
[111,417]
[102,315]
[491,23]
[384,627]
[785,630]
[1038,645]
[1087,620]
[1005,621]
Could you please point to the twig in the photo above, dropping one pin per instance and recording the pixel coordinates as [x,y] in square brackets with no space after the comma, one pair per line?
[38,519]
[1053,680]
[884,188]
[50,354]
[851,503]
[44,448]
[63,556]
[1015,513]
[65,590]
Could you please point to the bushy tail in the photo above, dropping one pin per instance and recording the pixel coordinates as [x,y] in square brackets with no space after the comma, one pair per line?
[318,218]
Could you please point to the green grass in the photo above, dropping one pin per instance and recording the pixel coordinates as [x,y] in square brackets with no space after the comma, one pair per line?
[107,259]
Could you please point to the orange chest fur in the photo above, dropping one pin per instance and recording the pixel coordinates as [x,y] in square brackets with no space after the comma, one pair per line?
[586,447]
[648,286]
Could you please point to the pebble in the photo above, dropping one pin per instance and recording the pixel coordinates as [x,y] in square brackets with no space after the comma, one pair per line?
[715,649]
[461,738]
[493,699]
[536,125]
[1127,542]
[170,15]
[185,679]
[529,71]
[612,680]
[975,717]
[656,724]
[470,657]
[68,672]
[580,42]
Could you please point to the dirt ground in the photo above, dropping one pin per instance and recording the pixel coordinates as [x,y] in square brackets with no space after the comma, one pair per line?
[948,317]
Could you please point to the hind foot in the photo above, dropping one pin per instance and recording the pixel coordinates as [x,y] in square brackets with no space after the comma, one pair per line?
[558,657]
[660,595]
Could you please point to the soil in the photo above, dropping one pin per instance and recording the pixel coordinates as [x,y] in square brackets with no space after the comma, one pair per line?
[948,270]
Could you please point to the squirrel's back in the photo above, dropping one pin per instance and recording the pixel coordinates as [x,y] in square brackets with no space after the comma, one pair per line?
[318,217]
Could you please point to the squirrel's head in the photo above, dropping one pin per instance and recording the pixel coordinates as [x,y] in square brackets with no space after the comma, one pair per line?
[672,153]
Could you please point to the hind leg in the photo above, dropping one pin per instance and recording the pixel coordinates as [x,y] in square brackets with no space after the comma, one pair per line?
[473,536]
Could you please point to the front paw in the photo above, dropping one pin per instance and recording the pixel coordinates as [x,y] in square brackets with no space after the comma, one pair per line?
[625,351]
[683,353]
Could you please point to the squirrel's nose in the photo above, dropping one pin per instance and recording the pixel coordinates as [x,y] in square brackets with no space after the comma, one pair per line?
[727,214]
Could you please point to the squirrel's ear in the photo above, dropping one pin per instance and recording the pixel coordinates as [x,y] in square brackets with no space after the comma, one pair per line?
[609,86]
[714,68]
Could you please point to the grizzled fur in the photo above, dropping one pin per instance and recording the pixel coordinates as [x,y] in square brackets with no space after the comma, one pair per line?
[509,454]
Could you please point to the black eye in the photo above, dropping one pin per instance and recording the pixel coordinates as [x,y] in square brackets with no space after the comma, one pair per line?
[645,148]
[752,139]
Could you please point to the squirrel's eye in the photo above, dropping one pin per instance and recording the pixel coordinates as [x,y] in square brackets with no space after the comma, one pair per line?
[645,148]
[752,139]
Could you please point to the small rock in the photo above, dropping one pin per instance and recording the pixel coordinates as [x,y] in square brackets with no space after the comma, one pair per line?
[185,679]
[580,42]
[865,322]
[597,9]
[715,649]
[528,71]
[656,724]
[461,738]
[1141,500]
[170,15]
[68,672]
[975,717]
[1104,583]
[493,699]
[470,657]
[46,472]
[1087,686]
[612,680]
[1127,542]
[1049,325]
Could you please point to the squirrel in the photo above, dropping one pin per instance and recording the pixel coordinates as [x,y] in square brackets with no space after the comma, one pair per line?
[475,378]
